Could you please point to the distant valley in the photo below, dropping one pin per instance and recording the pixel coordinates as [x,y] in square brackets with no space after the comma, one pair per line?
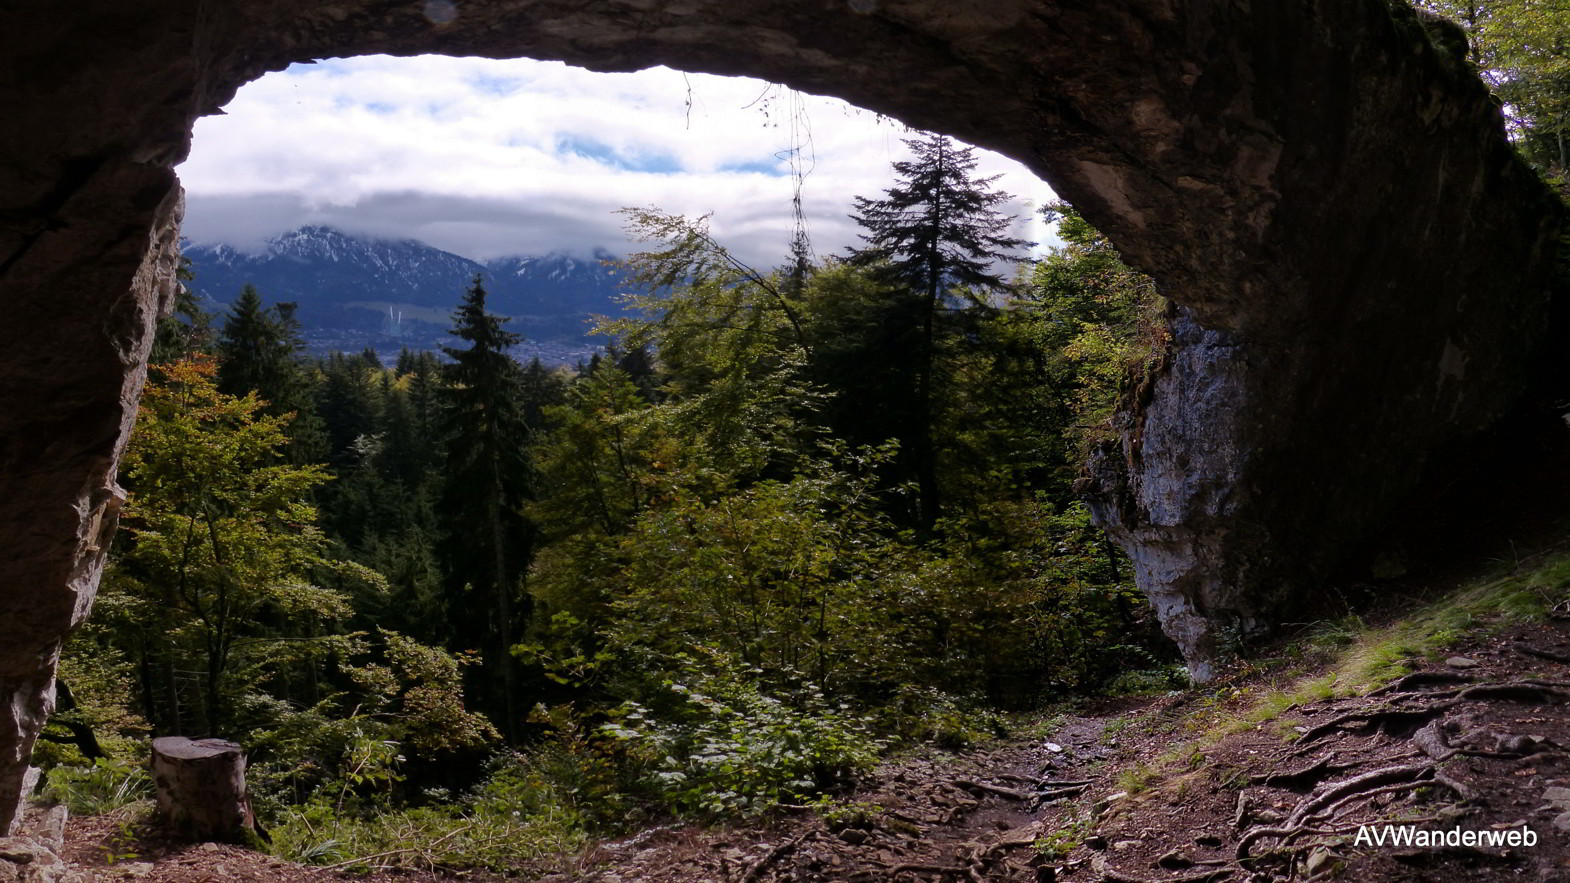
[356,292]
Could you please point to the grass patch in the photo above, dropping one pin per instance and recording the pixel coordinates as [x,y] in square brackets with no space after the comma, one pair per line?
[1359,659]
[426,839]
[104,787]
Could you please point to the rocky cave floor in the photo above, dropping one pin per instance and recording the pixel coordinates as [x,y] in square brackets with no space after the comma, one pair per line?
[1476,740]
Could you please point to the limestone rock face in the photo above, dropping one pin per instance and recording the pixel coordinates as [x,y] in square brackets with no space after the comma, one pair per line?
[33,855]
[1359,263]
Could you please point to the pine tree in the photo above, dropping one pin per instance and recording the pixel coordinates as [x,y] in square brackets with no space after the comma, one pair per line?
[489,540]
[936,230]
[259,351]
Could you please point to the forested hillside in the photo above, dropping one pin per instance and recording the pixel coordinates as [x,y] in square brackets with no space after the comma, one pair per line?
[789,520]
[349,292]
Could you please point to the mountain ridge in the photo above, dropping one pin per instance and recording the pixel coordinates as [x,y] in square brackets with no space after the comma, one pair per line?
[354,291]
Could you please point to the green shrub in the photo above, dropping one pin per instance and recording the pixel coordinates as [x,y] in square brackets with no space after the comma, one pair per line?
[725,747]
[105,786]
[521,813]
[926,714]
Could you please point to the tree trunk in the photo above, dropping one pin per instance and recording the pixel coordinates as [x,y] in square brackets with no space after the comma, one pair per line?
[201,789]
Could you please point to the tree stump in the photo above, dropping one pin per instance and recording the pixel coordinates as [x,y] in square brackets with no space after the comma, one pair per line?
[201,789]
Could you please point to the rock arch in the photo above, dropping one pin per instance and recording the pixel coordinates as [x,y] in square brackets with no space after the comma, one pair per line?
[1359,265]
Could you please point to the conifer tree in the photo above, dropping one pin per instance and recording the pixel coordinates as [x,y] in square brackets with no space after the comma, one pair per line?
[489,540]
[259,351]
[937,229]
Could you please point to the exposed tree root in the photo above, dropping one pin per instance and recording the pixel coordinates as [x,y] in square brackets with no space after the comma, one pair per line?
[1418,680]
[1536,693]
[1346,788]
[1431,739]
[1306,777]
[1526,649]
[1462,790]
[1328,800]
[1383,716]
[1105,873]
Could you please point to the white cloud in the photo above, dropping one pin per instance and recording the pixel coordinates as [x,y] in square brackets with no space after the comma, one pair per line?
[491,158]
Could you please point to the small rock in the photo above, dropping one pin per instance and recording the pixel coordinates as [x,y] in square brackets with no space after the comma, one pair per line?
[1174,861]
[30,780]
[1562,822]
[1053,747]
[1318,860]
[1209,840]
[1123,845]
[208,847]
[1461,662]
[853,836]
[136,870]
[1268,817]
[1558,796]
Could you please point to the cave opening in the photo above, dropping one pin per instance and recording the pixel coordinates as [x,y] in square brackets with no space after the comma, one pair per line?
[1329,198]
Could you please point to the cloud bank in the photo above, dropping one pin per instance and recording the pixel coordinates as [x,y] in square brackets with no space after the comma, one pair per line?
[494,158]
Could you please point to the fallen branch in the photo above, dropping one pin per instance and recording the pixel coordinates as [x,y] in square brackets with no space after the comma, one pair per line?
[998,790]
[912,868]
[755,873]
[1058,794]
[1025,835]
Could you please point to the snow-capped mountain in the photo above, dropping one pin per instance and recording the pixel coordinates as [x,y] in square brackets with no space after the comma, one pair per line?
[403,288]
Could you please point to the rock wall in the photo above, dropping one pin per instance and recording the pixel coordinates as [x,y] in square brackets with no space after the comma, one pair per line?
[1358,261]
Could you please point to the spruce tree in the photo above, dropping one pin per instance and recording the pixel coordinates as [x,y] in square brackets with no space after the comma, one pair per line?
[489,540]
[259,351]
[936,231]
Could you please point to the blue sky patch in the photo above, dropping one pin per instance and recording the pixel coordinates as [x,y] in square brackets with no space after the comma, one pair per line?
[495,85]
[771,168]
[602,153]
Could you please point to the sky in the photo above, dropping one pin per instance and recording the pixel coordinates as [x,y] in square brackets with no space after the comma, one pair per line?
[490,159]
